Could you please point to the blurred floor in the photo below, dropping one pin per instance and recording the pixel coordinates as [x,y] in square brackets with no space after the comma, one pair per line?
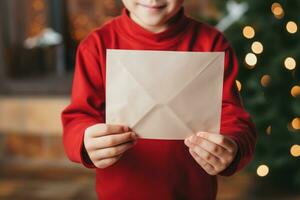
[46,183]
[72,182]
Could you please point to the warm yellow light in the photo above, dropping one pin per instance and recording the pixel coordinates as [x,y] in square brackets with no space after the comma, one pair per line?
[290,63]
[251,59]
[295,150]
[248,32]
[291,27]
[296,123]
[257,47]
[38,5]
[262,170]
[277,10]
[265,80]
[269,130]
[239,85]
[295,91]
[274,5]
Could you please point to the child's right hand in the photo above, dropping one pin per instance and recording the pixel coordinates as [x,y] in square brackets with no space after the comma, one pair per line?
[105,143]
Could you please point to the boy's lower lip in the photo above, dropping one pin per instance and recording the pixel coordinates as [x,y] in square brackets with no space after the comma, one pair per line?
[154,8]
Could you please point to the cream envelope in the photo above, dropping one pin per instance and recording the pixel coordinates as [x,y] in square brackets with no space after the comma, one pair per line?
[164,94]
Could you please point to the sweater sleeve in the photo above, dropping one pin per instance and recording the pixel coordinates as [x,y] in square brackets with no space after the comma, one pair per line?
[236,122]
[86,107]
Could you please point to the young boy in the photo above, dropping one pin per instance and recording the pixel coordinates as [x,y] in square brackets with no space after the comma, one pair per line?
[128,167]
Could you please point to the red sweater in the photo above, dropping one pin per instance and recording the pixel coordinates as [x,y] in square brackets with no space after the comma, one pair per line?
[152,169]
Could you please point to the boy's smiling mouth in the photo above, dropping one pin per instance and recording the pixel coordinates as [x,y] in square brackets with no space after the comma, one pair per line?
[153,15]
[153,7]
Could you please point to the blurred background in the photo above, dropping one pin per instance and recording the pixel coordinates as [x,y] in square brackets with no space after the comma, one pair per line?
[38,40]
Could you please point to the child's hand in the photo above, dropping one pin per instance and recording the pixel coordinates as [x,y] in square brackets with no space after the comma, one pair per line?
[213,152]
[106,143]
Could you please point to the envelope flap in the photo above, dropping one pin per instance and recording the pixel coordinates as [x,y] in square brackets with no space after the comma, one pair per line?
[203,95]
[161,119]
[170,69]
[129,105]
[211,63]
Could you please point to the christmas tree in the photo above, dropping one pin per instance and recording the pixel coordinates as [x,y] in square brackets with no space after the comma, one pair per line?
[266,40]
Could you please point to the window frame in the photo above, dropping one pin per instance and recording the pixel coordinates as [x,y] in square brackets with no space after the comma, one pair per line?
[50,84]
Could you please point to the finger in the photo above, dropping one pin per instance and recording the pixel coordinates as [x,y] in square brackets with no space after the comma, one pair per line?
[217,139]
[213,148]
[107,162]
[106,129]
[205,155]
[197,158]
[111,151]
[112,140]
[205,165]
[208,157]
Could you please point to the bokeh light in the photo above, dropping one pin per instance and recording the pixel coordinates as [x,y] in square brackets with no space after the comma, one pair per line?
[248,32]
[262,170]
[38,5]
[277,10]
[239,85]
[295,91]
[295,150]
[265,80]
[251,60]
[290,63]
[257,47]
[291,27]
[296,123]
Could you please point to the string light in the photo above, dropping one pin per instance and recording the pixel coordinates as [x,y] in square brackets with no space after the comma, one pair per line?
[290,63]
[265,80]
[37,18]
[291,27]
[38,5]
[296,123]
[277,10]
[251,60]
[257,47]
[239,85]
[248,32]
[262,170]
[295,91]
[295,150]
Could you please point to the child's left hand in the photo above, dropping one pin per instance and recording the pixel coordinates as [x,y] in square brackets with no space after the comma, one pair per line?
[213,152]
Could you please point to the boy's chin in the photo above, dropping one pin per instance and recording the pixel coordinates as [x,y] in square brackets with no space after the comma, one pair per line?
[155,23]
[152,22]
